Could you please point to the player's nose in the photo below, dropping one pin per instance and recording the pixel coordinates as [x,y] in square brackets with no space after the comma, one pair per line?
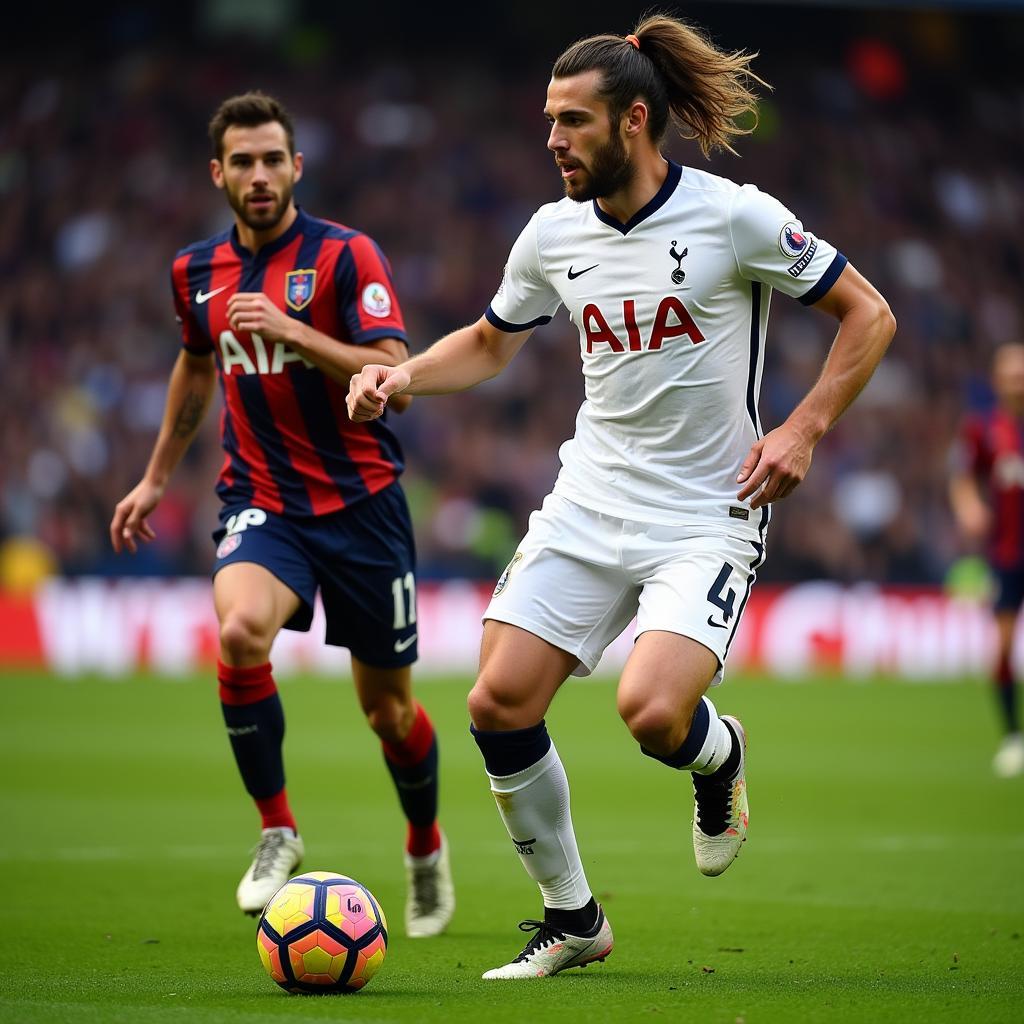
[556,141]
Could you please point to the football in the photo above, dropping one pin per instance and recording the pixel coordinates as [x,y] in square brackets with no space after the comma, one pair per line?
[322,932]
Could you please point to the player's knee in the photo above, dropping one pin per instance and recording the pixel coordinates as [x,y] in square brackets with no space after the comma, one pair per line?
[491,706]
[657,725]
[243,639]
[390,718]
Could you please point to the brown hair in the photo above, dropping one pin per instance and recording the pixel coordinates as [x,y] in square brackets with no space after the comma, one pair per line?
[249,110]
[678,72]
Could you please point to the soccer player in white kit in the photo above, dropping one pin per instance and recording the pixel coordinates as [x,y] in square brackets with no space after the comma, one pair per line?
[662,503]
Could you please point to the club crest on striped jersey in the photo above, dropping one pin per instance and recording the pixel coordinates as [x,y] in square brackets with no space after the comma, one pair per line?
[793,240]
[299,286]
[377,300]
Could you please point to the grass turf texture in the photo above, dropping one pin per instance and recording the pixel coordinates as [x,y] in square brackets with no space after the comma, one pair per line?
[882,881]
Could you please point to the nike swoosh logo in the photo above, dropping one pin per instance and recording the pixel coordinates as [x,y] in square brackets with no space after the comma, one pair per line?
[717,625]
[580,273]
[403,645]
[202,296]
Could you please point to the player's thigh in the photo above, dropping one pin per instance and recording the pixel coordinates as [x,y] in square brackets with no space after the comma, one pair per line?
[262,576]
[519,675]
[366,569]
[250,590]
[565,584]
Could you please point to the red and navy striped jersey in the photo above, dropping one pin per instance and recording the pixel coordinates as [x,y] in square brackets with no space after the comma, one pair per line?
[991,448]
[290,446]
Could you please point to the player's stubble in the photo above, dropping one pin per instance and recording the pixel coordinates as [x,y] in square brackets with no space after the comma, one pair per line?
[610,171]
[266,220]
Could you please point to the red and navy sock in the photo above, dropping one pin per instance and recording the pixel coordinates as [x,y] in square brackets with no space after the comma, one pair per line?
[255,722]
[413,765]
[1006,691]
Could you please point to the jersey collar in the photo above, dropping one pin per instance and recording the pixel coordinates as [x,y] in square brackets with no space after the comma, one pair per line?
[675,172]
[297,227]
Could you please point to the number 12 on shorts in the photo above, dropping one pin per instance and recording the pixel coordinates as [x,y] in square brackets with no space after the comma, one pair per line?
[403,591]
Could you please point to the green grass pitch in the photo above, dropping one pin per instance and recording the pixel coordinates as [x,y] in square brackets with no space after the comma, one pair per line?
[883,879]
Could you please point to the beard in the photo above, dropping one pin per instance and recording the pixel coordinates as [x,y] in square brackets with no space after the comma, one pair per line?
[261,220]
[610,171]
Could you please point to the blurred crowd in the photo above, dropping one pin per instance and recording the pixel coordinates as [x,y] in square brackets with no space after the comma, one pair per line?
[901,147]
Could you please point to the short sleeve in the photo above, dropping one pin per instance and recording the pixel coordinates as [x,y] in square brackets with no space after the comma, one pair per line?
[772,246]
[365,292]
[524,299]
[193,338]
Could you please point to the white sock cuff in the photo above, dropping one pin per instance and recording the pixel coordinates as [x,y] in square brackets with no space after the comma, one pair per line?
[717,744]
[514,783]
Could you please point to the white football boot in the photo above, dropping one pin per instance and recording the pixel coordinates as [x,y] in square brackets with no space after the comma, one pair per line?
[277,855]
[720,813]
[1009,760]
[430,899]
[551,951]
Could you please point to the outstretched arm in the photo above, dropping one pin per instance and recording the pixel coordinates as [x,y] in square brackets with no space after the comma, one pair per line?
[780,460]
[191,387]
[459,360]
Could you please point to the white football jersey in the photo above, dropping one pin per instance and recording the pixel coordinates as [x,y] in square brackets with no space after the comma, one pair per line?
[672,309]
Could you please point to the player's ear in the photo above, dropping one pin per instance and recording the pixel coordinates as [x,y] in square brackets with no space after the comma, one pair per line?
[635,120]
[217,173]
[297,162]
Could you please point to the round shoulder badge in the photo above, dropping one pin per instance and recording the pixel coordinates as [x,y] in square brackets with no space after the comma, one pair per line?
[793,240]
[377,300]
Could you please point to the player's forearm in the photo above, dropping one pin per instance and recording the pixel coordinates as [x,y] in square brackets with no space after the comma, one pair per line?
[863,337]
[966,500]
[189,392]
[461,359]
[338,359]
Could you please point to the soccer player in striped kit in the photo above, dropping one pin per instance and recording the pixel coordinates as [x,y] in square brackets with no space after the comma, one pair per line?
[986,489]
[282,309]
[662,503]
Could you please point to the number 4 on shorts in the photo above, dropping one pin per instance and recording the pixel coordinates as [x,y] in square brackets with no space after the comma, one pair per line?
[722,598]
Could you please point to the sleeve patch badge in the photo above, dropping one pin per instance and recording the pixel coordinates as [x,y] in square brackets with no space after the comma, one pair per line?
[793,240]
[377,300]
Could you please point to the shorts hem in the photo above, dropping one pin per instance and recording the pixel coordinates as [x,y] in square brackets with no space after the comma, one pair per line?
[402,660]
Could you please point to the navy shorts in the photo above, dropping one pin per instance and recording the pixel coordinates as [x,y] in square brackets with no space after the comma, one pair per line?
[362,559]
[1009,588]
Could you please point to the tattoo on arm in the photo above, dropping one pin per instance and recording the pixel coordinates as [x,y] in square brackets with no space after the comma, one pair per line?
[189,415]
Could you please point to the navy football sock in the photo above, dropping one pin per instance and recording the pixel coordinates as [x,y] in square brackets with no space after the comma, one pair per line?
[575,922]
[1006,694]
[255,722]
[413,764]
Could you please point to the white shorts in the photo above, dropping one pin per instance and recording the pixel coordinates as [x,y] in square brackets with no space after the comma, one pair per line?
[580,576]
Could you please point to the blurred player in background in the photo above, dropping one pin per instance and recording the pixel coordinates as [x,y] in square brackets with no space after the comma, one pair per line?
[986,489]
[662,503]
[283,309]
